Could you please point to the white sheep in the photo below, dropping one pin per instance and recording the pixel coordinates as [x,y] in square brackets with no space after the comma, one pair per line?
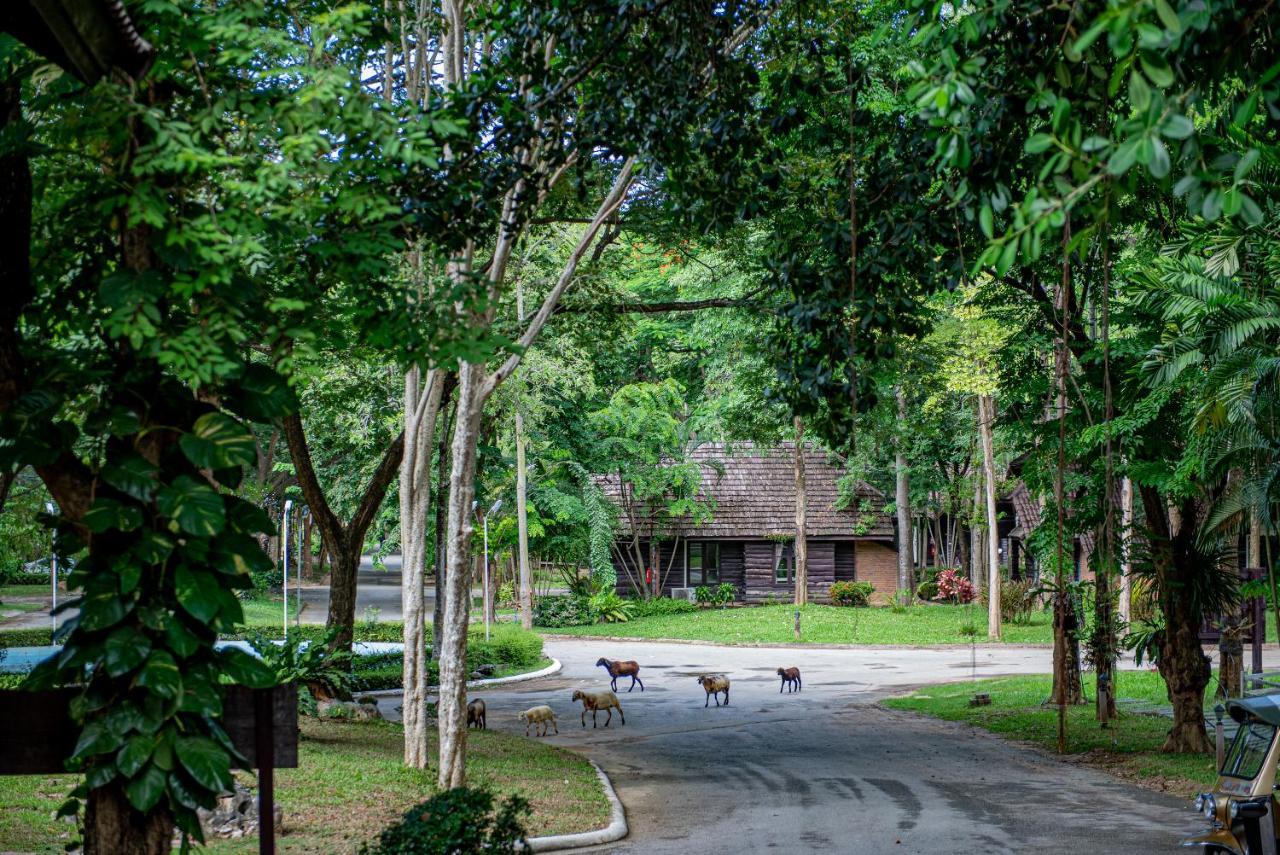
[713,684]
[539,715]
[596,701]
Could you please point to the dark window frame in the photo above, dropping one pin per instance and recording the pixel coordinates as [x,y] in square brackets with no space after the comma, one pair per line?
[706,574]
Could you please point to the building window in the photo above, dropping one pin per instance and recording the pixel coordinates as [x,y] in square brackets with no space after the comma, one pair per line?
[784,567]
[703,564]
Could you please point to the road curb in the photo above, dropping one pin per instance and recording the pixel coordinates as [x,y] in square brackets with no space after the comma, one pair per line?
[615,830]
[553,668]
[797,646]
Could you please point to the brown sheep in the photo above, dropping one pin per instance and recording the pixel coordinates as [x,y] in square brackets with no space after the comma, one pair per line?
[539,716]
[621,668]
[476,714]
[596,701]
[790,679]
[714,684]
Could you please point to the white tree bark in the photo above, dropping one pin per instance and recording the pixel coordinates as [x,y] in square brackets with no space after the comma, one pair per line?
[802,543]
[902,499]
[422,405]
[522,502]
[986,420]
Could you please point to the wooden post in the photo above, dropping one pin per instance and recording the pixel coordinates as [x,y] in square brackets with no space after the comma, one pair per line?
[797,624]
[263,715]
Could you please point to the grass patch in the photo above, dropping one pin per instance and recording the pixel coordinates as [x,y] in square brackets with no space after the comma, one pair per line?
[349,785]
[1129,748]
[20,607]
[267,611]
[25,591]
[923,624]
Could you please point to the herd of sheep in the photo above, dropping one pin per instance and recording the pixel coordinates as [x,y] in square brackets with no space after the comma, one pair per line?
[605,700]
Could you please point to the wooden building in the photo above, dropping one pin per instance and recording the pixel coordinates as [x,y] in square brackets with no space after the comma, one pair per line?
[749,541]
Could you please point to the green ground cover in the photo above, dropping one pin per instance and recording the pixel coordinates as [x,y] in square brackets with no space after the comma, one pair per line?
[921,624]
[350,783]
[1129,747]
[24,591]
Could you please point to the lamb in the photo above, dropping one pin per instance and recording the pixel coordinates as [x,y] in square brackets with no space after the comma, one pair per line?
[539,716]
[476,714]
[713,684]
[621,668]
[596,701]
[790,679]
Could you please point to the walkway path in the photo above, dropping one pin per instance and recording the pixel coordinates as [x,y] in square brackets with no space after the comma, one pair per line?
[827,769]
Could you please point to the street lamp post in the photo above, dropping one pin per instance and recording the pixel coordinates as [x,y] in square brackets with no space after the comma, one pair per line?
[284,536]
[53,570]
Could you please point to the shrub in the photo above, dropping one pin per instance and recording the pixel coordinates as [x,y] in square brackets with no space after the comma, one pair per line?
[506,596]
[381,671]
[926,591]
[903,599]
[954,587]
[456,821]
[1019,600]
[662,606]
[607,607]
[561,610]
[852,593]
[726,593]
[298,660]
[40,637]
[704,595]
[17,573]
[508,644]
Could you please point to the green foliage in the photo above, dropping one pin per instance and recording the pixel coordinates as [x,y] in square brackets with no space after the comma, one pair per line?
[509,645]
[313,663]
[720,595]
[851,593]
[658,606]
[606,606]
[463,819]
[557,610]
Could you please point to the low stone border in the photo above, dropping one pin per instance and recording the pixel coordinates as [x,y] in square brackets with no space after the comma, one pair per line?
[615,830]
[629,639]
[553,668]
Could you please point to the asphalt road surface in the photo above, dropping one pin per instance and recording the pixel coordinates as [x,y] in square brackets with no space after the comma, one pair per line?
[826,769]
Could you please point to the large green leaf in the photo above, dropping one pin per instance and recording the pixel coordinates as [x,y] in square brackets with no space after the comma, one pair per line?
[126,648]
[133,475]
[205,761]
[145,790]
[196,508]
[197,592]
[263,395]
[109,514]
[217,441]
[95,739]
[182,641]
[101,609]
[161,675]
[245,669]
[136,752]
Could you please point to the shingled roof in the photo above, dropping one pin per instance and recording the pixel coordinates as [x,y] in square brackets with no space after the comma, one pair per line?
[755,496]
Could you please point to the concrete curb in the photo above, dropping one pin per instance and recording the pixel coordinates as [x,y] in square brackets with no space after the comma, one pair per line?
[553,668]
[615,830]
[984,645]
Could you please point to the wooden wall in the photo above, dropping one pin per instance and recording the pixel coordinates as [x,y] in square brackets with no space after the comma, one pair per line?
[846,563]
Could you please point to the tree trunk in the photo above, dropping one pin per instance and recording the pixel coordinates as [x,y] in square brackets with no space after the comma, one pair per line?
[1126,563]
[902,500]
[439,539]
[802,545]
[1183,665]
[1104,693]
[342,592]
[986,421]
[975,535]
[307,558]
[451,710]
[522,527]
[113,826]
[421,407]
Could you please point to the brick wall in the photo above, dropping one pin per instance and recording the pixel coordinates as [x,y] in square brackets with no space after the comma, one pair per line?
[877,563]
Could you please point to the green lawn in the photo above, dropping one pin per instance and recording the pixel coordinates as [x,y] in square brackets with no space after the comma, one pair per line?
[1129,748]
[925,624]
[267,610]
[24,591]
[349,785]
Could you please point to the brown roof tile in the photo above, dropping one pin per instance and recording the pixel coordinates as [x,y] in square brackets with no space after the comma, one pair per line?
[755,495]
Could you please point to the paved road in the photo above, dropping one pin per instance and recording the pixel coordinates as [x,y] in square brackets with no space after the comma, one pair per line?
[827,770]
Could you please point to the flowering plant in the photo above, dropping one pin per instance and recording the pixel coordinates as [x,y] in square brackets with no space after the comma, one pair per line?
[954,587]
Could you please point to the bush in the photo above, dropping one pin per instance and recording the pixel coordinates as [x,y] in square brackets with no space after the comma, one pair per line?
[456,821]
[903,599]
[954,587]
[17,573]
[927,591]
[297,660]
[607,607]
[509,645]
[852,593]
[660,606]
[41,637]
[1019,600]
[561,610]
[382,671]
